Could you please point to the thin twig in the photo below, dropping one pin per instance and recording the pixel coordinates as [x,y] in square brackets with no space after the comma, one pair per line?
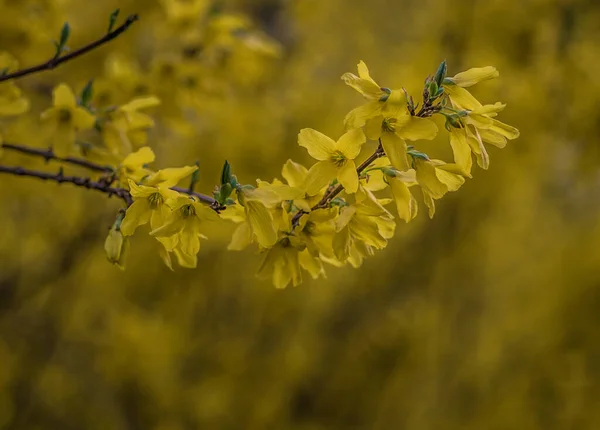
[56,61]
[75,180]
[48,154]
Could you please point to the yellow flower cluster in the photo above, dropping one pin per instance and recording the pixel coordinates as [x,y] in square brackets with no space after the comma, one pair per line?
[329,213]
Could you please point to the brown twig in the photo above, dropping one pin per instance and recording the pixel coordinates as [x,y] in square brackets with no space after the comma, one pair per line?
[56,61]
[48,155]
[75,180]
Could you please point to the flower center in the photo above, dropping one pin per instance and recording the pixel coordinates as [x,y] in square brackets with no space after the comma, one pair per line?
[389,125]
[338,158]
[309,228]
[188,211]
[64,116]
[155,200]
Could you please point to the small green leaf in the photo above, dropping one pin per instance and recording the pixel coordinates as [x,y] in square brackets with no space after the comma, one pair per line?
[113,19]
[87,93]
[440,75]
[226,173]
[64,34]
[4,71]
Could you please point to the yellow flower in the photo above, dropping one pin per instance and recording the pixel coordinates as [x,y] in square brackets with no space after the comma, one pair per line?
[336,159]
[377,96]
[185,220]
[283,263]
[364,223]
[149,205]
[436,178]
[116,246]
[67,118]
[127,128]
[395,126]
[316,231]
[295,175]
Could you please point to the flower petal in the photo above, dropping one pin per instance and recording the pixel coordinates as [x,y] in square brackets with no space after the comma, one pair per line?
[63,96]
[319,146]
[348,177]
[405,202]
[414,128]
[395,149]
[137,214]
[261,223]
[474,76]
[350,143]
[319,176]
[461,149]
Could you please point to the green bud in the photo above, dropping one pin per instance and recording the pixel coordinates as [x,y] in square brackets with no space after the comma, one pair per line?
[416,154]
[440,75]
[432,89]
[226,173]
[64,34]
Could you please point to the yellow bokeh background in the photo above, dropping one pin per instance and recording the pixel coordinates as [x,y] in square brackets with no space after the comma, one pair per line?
[485,317]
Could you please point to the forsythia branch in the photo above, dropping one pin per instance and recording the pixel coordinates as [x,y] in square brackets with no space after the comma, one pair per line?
[48,154]
[56,61]
[60,178]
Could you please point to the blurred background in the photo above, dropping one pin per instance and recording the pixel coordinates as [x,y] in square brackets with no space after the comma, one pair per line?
[485,317]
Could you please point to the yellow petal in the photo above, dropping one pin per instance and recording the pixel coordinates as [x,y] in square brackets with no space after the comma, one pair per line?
[139,158]
[395,149]
[261,223]
[141,103]
[461,149]
[429,202]
[319,146]
[294,173]
[242,237]
[348,177]
[414,128]
[319,176]
[185,260]
[137,214]
[373,127]
[82,119]
[452,180]
[505,130]
[363,83]
[350,143]
[492,138]
[341,244]
[461,98]
[474,76]
[405,202]
[357,117]
[346,215]
[171,176]
[63,96]
[428,180]
[11,107]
